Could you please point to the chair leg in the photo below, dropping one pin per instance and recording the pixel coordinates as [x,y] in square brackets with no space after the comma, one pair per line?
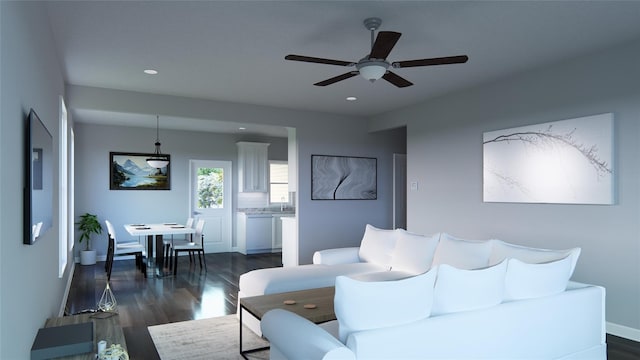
[175,263]
[204,260]
[109,265]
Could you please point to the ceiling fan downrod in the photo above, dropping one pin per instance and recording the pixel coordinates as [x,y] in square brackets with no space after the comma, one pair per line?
[372,24]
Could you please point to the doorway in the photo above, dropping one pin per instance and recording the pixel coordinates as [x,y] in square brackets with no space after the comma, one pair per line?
[211,200]
[399,191]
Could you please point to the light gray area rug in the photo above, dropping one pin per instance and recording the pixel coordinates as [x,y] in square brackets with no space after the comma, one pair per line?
[214,338]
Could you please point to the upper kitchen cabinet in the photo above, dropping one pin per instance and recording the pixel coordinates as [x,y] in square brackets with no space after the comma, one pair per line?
[253,166]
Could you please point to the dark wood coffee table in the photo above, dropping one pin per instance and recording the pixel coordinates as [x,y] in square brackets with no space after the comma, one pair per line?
[322,298]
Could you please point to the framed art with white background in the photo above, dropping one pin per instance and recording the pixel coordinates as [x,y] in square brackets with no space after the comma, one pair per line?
[560,162]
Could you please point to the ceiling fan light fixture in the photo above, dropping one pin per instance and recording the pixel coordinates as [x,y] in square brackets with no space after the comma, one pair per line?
[372,70]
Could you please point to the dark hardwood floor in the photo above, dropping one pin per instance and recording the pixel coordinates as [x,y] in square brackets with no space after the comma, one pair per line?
[194,294]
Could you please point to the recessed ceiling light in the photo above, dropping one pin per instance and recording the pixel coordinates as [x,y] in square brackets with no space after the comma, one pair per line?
[151,72]
[242,128]
[351,98]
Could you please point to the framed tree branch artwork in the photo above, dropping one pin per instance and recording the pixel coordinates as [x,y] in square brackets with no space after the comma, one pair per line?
[130,171]
[343,178]
[561,162]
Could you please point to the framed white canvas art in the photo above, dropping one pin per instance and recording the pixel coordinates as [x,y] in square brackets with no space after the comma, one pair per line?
[560,162]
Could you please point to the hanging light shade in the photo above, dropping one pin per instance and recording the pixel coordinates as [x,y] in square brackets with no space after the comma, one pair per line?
[158,160]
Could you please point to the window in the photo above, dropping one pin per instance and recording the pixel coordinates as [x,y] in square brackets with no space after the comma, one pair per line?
[278,182]
[210,188]
[63,200]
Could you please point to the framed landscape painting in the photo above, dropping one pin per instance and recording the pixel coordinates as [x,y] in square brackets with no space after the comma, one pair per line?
[343,178]
[130,171]
[560,162]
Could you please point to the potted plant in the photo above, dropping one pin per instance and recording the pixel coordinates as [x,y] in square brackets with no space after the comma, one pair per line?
[88,225]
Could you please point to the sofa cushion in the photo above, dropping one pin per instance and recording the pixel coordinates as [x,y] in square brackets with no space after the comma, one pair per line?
[462,254]
[413,253]
[526,281]
[462,290]
[502,250]
[278,280]
[363,305]
[377,246]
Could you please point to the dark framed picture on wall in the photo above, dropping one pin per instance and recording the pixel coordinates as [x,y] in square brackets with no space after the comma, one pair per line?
[130,171]
[343,178]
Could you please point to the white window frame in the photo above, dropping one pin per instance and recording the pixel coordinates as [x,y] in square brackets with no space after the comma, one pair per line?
[288,199]
[63,178]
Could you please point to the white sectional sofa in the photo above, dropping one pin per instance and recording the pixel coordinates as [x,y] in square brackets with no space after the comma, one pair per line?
[404,295]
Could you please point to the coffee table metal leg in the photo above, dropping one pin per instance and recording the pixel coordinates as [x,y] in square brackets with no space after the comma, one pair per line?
[244,353]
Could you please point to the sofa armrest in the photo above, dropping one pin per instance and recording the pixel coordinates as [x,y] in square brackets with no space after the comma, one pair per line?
[337,256]
[294,337]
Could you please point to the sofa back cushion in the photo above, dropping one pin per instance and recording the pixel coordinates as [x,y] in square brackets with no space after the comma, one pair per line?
[377,246]
[363,305]
[462,290]
[502,250]
[526,281]
[413,253]
[462,254]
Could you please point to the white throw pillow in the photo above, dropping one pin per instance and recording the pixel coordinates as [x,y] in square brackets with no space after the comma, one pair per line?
[377,246]
[462,290]
[462,254]
[414,253]
[526,281]
[503,250]
[362,305]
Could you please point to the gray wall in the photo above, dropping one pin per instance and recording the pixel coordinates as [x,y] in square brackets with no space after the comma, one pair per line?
[30,289]
[326,224]
[444,144]
[93,144]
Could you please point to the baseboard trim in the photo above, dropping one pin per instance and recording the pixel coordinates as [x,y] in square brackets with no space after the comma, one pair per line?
[67,288]
[104,258]
[623,331]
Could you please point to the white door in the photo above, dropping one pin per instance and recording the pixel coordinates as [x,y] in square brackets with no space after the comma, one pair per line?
[210,199]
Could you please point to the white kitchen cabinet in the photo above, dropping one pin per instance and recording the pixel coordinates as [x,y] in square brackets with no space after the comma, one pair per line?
[254,233]
[253,166]
[276,230]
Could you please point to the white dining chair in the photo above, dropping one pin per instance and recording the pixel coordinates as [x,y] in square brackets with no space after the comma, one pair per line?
[192,247]
[116,248]
[168,243]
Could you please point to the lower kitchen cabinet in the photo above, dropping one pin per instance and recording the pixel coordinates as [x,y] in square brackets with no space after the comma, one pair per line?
[254,233]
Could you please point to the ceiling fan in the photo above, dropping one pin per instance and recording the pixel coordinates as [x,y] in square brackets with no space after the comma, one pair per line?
[375,65]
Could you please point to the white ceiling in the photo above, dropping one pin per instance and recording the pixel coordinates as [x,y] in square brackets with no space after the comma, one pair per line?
[234,50]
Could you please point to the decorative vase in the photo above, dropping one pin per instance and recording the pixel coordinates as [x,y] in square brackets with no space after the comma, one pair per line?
[87,257]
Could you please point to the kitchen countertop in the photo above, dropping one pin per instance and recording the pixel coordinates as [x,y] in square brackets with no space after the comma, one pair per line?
[267,211]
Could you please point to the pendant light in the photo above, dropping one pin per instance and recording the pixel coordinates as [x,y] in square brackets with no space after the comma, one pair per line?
[158,160]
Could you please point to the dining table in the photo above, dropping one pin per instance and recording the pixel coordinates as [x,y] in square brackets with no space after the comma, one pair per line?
[155,259]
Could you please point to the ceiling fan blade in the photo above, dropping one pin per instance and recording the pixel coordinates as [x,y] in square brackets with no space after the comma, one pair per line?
[318,60]
[385,41]
[396,80]
[336,79]
[434,61]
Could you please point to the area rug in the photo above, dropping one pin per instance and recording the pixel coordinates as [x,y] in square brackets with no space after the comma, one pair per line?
[214,338]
